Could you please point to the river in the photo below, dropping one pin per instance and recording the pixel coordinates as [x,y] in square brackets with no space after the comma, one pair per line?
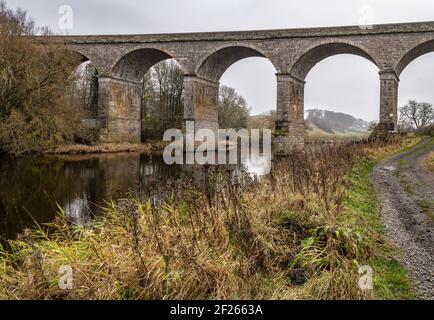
[33,188]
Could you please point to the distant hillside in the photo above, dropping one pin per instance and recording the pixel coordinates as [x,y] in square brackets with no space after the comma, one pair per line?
[313,133]
[335,122]
[262,121]
[320,125]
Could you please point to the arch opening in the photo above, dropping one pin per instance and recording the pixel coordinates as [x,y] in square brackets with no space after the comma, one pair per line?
[315,55]
[413,54]
[85,88]
[149,83]
[79,58]
[247,94]
[134,65]
[162,105]
[214,66]
[82,97]
[416,97]
[346,105]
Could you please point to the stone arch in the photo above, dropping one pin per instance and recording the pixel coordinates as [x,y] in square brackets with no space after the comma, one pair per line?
[121,93]
[291,86]
[134,65]
[82,58]
[413,54]
[213,66]
[319,52]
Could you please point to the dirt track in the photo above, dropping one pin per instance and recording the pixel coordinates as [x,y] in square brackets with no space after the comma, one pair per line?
[405,188]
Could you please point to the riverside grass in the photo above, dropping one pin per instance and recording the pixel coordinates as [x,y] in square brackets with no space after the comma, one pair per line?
[299,233]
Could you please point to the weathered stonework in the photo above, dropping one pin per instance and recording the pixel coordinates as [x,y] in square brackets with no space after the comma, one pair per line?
[388,101]
[204,57]
[290,129]
[201,102]
[119,110]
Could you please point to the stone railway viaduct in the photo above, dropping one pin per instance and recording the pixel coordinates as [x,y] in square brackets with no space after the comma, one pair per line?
[122,60]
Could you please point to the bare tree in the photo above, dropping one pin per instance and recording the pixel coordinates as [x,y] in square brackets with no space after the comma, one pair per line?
[162,106]
[83,92]
[170,82]
[416,115]
[233,109]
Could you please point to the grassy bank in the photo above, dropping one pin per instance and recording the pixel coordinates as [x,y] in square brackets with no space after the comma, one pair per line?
[299,233]
[73,149]
[101,148]
[390,278]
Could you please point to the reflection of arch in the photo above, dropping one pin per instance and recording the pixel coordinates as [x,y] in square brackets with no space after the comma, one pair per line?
[214,65]
[134,65]
[322,51]
[414,53]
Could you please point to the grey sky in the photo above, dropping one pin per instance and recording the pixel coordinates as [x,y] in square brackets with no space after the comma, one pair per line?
[254,77]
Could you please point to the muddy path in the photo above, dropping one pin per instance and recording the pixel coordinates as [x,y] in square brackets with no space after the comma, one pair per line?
[405,189]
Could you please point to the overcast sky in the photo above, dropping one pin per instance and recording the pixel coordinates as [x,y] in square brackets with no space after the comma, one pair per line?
[341,83]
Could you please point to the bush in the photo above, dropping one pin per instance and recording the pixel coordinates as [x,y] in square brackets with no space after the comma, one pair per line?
[35,72]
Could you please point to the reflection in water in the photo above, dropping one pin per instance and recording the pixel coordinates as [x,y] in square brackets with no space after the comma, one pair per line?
[78,210]
[32,188]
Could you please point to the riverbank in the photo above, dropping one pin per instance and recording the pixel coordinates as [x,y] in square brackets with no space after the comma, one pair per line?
[148,147]
[301,232]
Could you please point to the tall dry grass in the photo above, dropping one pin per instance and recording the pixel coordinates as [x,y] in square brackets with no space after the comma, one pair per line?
[289,235]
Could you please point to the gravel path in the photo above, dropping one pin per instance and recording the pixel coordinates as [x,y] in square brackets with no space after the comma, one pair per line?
[405,188]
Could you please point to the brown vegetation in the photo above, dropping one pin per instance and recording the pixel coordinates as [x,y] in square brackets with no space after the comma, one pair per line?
[300,232]
[100,148]
[34,112]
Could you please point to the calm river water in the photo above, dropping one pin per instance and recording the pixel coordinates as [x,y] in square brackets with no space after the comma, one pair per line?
[32,188]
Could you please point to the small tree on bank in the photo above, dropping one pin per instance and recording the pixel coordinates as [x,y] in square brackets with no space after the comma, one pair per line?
[416,115]
[233,110]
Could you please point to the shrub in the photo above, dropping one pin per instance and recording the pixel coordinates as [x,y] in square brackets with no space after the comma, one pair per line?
[35,72]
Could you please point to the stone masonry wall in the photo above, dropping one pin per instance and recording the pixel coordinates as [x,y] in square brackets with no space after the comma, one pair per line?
[201,103]
[388,101]
[119,110]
